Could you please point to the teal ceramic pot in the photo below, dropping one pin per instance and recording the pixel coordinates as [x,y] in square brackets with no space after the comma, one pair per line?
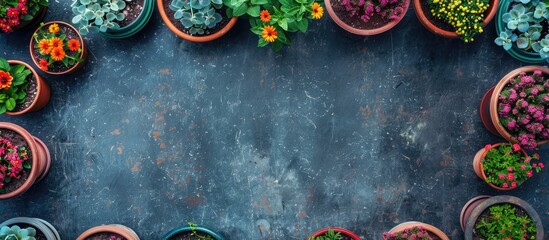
[135,26]
[199,229]
[519,54]
[43,226]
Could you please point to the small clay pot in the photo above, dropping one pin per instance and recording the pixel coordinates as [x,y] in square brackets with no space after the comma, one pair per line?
[198,228]
[484,205]
[41,159]
[343,232]
[488,15]
[363,32]
[468,208]
[40,225]
[478,166]
[136,26]
[430,228]
[121,230]
[83,54]
[188,37]
[42,91]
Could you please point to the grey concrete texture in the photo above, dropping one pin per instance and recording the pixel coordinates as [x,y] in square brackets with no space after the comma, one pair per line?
[334,130]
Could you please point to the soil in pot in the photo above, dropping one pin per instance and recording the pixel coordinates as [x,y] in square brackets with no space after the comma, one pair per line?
[170,13]
[132,11]
[375,21]
[106,236]
[57,66]
[188,236]
[39,234]
[486,217]
[17,140]
[31,94]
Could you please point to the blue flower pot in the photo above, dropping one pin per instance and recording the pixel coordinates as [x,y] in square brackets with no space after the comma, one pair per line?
[199,229]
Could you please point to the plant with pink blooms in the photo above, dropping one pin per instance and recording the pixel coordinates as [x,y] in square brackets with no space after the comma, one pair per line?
[114,237]
[13,160]
[369,9]
[523,108]
[507,165]
[413,233]
[15,12]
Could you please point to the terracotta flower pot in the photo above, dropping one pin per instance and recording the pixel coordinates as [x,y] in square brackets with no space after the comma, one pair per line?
[478,167]
[343,231]
[121,230]
[75,67]
[188,37]
[493,121]
[136,26]
[41,159]
[363,32]
[42,91]
[199,229]
[468,209]
[42,226]
[488,15]
[430,228]
[484,205]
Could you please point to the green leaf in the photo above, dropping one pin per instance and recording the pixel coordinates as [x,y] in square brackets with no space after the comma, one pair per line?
[283,24]
[4,65]
[2,109]
[26,165]
[259,2]
[17,69]
[22,95]
[284,2]
[277,46]
[257,30]
[241,10]
[10,104]
[3,96]
[262,43]
[253,11]
[303,25]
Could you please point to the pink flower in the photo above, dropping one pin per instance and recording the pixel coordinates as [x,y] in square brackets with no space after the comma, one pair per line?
[541,165]
[510,169]
[488,147]
[501,176]
[523,167]
[516,147]
[514,184]
[529,173]
[505,185]
[510,177]
[538,73]
[534,165]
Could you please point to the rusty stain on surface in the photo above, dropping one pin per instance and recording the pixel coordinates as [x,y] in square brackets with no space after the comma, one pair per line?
[366,112]
[302,214]
[156,135]
[162,146]
[265,205]
[136,167]
[116,132]
[165,71]
[120,150]
[159,161]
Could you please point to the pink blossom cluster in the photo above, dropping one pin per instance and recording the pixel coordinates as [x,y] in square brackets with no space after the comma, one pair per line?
[413,233]
[366,9]
[113,237]
[12,159]
[13,15]
[523,108]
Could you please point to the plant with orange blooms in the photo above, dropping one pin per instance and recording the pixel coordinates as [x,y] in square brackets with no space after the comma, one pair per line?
[271,20]
[55,48]
[13,85]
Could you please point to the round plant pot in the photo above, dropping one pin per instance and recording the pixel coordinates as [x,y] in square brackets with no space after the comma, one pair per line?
[478,167]
[188,37]
[484,205]
[514,51]
[199,229]
[343,231]
[420,13]
[41,159]
[136,26]
[121,230]
[42,91]
[495,123]
[38,17]
[430,228]
[363,32]
[468,209]
[485,112]
[40,225]
[83,54]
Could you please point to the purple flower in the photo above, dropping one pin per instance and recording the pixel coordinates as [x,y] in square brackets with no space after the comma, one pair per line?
[383,3]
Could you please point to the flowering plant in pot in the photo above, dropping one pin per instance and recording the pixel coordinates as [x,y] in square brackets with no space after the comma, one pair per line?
[57,48]
[505,166]
[24,228]
[272,20]
[335,233]
[192,231]
[414,230]
[109,232]
[15,14]
[367,17]
[21,88]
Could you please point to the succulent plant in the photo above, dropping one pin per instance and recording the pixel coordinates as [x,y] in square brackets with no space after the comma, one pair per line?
[16,233]
[98,15]
[542,47]
[197,15]
[505,40]
[518,18]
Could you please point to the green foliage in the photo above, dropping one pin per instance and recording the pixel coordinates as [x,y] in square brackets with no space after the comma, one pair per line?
[16,233]
[506,167]
[505,222]
[16,92]
[197,15]
[98,15]
[330,235]
[198,235]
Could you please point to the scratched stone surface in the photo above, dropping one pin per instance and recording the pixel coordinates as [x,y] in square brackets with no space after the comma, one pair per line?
[335,130]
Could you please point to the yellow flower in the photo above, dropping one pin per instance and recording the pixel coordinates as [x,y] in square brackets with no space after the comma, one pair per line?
[54,28]
[269,34]
[317,11]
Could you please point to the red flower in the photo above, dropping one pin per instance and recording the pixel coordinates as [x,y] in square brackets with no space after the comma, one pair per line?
[529,173]
[44,64]
[510,177]
[74,45]
[505,185]
[488,147]
[522,167]
[541,165]
[516,147]
[501,176]
[13,12]
[514,184]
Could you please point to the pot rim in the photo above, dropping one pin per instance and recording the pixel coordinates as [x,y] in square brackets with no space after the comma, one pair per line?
[344,231]
[38,87]
[198,228]
[44,226]
[409,224]
[121,230]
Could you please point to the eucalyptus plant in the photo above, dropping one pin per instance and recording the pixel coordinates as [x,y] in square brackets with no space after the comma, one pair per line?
[98,15]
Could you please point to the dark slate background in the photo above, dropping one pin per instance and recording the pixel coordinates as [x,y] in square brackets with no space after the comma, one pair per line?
[335,130]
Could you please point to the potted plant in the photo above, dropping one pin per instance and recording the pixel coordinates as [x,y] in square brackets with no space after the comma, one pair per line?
[367,17]
[24,160]
[21,88]
[196,20]
[272,20]
[502,217]
[505,166]
[57,48]
[334,234]
[454,18]
[18,14]
[414,230]
[32,228]
[113,18]
[192,232]
[522,28]
[516,108]
[109,232]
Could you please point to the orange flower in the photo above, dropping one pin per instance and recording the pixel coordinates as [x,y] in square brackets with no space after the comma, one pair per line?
[56,43]
[269,34]
[265,16]
[74,45]
[318,11]
[43,64]
[58,54]
[54,28]
[5,80]
[44,46]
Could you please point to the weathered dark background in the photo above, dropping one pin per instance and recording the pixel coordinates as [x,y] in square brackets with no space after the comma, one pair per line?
[335,130]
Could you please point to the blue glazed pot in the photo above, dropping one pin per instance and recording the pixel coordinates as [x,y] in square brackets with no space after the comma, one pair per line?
[200,229]
[136,26]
